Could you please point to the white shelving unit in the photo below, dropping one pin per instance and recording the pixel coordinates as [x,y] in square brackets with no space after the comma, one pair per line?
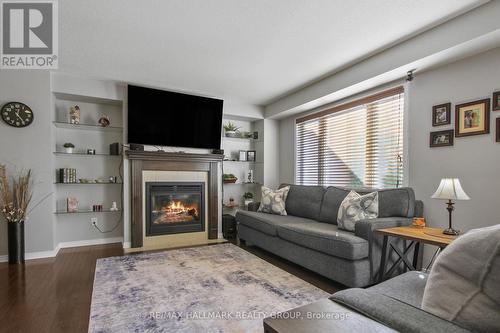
[232,165]
[101,165]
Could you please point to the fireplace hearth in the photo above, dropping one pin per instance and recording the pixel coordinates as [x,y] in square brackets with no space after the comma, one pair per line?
[174,207]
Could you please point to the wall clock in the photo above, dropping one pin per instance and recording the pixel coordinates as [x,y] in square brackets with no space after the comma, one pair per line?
[17,114]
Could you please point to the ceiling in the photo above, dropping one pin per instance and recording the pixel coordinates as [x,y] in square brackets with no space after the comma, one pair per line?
[252,51]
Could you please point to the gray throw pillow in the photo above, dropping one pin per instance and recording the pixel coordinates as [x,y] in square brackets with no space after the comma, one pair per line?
[464,283]
[357,207]
[273,202]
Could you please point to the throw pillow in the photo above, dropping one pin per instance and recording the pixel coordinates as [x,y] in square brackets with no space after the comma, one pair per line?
[273,202]
[357,207]
[464,283]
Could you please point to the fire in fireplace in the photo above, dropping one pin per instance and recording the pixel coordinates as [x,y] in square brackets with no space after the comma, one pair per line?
[173,208]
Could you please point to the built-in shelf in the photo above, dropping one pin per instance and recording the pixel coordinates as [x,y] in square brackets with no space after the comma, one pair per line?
[243,183]
[231,161]
[57,183]
[87,99]
[63,212]
[87,127]
[241,139]
[61,153]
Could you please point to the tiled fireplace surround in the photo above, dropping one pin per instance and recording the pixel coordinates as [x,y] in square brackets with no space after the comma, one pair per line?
[173,167]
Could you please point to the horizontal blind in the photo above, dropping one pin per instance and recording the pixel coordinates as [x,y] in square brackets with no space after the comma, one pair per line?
[360,145]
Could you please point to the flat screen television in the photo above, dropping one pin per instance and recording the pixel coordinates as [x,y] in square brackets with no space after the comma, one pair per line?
[165,118]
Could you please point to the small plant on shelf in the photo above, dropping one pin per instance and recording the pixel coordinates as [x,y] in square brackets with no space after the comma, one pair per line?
[231,129]
[248,196]
[69,147]
[229,178]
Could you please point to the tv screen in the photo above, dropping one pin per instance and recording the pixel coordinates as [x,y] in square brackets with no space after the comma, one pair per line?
[165,118]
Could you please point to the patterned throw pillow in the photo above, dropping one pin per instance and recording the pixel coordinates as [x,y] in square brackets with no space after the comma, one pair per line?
[357,207]
[273,202]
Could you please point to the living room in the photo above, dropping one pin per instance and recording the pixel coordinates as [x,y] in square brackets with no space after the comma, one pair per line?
[225,166]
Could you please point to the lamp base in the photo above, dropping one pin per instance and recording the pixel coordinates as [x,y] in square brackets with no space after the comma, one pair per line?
[451,231]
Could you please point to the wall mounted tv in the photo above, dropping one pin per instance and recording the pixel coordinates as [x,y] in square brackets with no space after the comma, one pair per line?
[165,118]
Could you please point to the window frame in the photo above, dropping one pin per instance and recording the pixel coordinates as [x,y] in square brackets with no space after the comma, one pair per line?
[354,101]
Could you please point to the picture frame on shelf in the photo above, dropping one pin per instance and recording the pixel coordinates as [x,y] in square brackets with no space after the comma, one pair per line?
[72,205]
[251,155]
[441,139]
[472,118]
[441,114]
[496,101]
[242,156]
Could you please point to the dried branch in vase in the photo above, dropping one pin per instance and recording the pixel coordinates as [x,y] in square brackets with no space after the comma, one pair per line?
[14,201]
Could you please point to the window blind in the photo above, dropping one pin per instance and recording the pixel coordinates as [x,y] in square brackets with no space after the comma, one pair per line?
[359,144]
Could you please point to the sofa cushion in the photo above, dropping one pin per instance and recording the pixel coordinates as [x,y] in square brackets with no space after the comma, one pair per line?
[326,238]
[464,284]
[273,202]
[394,313]
[399,202]
[304,201]
[331,203]
[396,202]
[267,223]
[408,287]
[356,207]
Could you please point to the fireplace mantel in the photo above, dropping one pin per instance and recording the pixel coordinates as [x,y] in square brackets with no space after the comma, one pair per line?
[162,161]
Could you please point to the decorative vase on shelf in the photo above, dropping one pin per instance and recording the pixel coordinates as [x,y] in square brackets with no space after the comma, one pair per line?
[15,241]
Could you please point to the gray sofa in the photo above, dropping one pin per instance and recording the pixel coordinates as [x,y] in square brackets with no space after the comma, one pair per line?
[396,303]
[309,235]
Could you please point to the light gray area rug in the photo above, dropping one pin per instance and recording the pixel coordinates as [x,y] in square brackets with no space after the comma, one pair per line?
[217,288]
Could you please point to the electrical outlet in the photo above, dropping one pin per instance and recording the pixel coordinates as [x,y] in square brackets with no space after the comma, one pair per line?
[93,220]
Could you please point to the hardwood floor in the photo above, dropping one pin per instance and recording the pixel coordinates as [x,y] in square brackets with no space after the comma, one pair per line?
[54,295]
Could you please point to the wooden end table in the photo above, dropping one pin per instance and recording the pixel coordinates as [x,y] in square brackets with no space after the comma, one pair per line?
[431,236]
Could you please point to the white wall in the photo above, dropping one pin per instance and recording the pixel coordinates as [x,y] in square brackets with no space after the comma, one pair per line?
[30,148]
[475,159]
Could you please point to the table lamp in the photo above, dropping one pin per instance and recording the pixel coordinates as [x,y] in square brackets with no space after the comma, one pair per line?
[450,189]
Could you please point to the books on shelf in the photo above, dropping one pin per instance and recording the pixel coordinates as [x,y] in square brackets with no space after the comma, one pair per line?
[67,175]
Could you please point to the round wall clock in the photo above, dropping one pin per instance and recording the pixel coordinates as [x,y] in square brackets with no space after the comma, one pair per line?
[17,114]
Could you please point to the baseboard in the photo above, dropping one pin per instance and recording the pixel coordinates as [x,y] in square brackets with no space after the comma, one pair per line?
[34,255]
[127,245]
[88,242]
[63,245]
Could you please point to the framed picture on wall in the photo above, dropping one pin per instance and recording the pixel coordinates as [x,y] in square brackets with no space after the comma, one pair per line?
[498,130]
[441,139]
[441,114]
[496,101]
[472,118]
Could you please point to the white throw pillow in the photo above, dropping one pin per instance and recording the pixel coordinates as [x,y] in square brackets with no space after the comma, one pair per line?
[357,207]
[464,283]
[273,202]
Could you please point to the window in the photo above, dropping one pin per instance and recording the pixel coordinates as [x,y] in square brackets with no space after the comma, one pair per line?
[359,144]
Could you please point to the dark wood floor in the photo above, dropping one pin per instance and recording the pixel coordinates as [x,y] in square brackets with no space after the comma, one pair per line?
[54,295]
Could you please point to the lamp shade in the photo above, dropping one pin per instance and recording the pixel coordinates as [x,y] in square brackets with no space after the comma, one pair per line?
[450,189]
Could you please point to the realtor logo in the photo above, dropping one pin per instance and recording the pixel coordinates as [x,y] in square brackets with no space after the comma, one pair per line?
[29,35]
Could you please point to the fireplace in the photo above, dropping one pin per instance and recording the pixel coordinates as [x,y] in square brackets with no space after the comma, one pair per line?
[174,207]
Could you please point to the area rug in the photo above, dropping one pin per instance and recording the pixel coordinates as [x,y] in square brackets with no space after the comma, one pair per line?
[217,288]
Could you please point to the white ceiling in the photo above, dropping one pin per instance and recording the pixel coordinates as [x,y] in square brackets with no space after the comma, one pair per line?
[253,51]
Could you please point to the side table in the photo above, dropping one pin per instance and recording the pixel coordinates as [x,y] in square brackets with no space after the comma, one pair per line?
[416,236]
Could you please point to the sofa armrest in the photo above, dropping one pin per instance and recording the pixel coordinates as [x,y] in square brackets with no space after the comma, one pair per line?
[366,228]
[392,312]
[253,206]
